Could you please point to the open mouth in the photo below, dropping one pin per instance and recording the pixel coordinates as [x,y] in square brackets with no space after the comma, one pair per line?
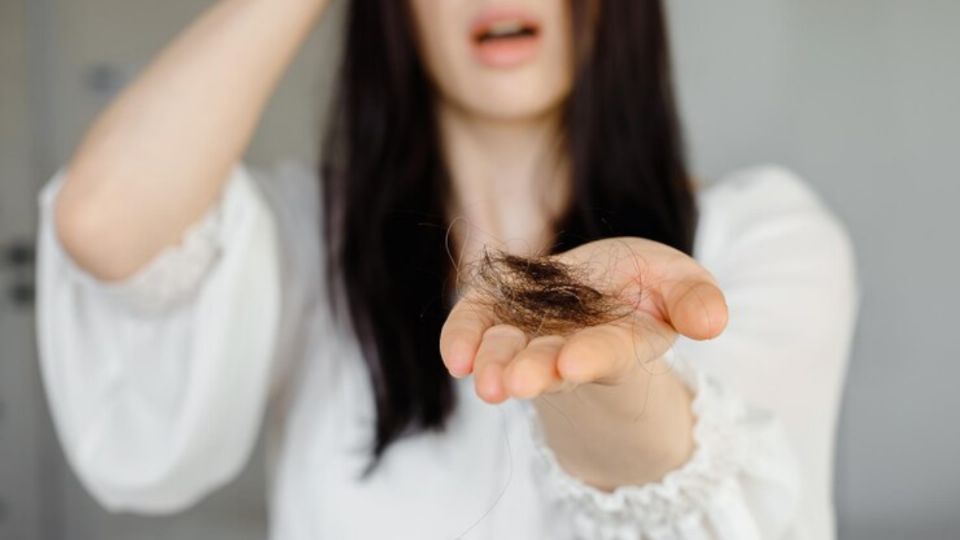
[510,29]
[505,39]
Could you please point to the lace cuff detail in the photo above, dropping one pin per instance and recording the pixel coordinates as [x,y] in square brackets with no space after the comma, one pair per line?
[174,274]
[682,496]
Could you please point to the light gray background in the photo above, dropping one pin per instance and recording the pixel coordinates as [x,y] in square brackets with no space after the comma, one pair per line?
[858,96]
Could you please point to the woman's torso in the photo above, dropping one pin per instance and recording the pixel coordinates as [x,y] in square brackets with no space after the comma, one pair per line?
[477,475]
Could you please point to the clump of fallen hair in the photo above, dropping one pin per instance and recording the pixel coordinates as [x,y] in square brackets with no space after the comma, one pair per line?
[541,295]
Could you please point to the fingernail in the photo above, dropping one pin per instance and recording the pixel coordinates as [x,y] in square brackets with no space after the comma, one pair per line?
[458,369]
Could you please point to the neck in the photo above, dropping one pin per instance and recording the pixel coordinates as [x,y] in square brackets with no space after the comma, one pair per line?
[509,180]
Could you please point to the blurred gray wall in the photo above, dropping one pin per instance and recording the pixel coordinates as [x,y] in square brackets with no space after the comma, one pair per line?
[857,96]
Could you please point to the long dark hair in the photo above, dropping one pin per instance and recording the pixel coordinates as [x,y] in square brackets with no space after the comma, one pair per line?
[385,185]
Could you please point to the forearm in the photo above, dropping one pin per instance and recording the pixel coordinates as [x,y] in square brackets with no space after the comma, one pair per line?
[155,160]
[628,434]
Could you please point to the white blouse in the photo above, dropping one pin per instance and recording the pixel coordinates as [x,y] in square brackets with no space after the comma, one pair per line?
[159,384]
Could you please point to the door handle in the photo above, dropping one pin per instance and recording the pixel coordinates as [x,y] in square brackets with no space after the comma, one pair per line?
[19,257]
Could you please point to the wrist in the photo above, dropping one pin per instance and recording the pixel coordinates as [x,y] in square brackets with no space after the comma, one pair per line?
[630,433]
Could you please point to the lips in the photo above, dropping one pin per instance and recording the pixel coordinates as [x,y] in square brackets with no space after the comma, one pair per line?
[505,38]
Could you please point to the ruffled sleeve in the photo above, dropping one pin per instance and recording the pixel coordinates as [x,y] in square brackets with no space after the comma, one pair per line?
[741,483]
[141,373]
[766,392]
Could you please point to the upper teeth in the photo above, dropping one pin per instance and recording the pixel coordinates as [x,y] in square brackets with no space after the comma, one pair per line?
[504,28]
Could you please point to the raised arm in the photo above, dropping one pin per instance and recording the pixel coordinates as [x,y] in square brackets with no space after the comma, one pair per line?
[157,158]
[186,325]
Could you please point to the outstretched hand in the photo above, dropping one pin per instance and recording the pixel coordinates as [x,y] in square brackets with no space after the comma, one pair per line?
[670,294]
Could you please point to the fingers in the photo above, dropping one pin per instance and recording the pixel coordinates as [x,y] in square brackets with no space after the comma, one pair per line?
[695,307]
[534,370]
[689,298]
[461,335]
[508,366]
[604,354]
[499,346]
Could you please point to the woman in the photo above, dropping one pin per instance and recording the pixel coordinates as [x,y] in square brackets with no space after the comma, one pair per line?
[186,298]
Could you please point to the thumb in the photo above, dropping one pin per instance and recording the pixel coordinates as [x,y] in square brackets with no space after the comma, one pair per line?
[695,307]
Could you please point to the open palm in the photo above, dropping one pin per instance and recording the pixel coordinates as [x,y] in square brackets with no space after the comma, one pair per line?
[670,294]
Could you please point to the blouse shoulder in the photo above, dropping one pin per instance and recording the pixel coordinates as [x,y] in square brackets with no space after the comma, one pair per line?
[771,207]
[758,181]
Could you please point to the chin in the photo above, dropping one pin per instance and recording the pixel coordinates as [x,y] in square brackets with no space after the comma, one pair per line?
[511,98]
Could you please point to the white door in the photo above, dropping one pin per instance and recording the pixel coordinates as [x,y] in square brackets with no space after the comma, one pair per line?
[22,425]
